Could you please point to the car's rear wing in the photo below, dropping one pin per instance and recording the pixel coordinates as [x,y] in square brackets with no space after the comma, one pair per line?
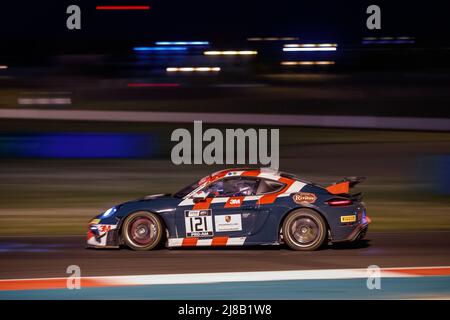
[343,186]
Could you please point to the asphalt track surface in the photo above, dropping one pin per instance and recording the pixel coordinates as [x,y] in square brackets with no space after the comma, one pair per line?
[36,257]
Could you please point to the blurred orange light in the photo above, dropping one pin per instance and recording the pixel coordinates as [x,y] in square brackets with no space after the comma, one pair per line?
[307,63]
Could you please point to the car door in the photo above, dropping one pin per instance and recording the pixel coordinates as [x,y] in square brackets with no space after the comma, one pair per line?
[228,210]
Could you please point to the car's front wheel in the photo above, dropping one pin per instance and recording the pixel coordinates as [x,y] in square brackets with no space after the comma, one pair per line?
[304,230]
[142,231]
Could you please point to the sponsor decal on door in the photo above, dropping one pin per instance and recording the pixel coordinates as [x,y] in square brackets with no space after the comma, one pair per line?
[229,222]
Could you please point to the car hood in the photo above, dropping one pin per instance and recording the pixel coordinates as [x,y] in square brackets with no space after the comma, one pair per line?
[156,196]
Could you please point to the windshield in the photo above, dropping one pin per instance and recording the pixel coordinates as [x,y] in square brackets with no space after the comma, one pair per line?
[186,190]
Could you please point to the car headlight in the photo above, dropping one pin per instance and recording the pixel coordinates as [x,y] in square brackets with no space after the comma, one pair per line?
[109,212]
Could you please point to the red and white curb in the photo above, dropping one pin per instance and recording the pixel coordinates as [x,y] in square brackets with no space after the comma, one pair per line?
[201,278]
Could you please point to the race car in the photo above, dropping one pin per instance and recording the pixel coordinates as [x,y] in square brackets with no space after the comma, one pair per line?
[237,207]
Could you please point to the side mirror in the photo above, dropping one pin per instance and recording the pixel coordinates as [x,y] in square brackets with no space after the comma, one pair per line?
[200,196]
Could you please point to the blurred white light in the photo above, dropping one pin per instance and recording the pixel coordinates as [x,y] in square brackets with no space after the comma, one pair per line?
[310,45]
[230,52]
[43,101]
[3,67]
[310,49]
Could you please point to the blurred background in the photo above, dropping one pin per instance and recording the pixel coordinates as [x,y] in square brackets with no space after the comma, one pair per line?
[380,100]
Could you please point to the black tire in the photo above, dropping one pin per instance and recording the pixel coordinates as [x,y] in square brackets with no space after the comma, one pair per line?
[142,231]
[304,230]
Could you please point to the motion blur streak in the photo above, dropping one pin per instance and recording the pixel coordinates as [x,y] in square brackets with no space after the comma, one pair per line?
[272,39]
[230,53]
[3,67]
[368,122]
[43,101]
[306,63]
[388,40]
[122,7]
[47,92]
[182,43]
[193,69]
[310,49]
[311,45]
[196,278]
[138,85]
[327,283]
[78,145]
[159,48]
[355,289]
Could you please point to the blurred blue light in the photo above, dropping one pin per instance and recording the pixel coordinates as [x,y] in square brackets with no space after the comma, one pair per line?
[388,41]
[146,49]
[78,145]
[182,43]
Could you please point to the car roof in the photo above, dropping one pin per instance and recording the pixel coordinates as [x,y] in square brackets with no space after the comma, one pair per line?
[266,173]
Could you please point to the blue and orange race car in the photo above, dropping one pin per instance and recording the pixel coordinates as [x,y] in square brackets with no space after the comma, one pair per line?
[237,207]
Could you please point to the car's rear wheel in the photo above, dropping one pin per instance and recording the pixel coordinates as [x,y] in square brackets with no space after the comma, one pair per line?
[142,231]
[304,230]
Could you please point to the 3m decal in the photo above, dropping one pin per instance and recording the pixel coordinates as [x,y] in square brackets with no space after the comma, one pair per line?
[234,202]
[105,228]
[345,219]
[230,222]
[304,197]
[198,223]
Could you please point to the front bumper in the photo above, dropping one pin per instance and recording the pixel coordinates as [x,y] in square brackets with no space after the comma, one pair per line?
[102,236]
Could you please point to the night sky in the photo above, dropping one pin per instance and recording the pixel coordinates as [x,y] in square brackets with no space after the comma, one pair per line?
[40,26]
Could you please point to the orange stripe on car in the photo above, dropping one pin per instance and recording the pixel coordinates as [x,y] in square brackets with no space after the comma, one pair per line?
[189,242]
[203,204]
[219,241]
[339,188]
[251,173]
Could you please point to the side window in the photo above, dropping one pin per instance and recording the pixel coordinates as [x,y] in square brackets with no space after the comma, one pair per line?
[269,186]
[233,187]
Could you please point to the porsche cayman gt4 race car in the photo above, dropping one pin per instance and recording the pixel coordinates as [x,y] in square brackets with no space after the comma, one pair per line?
[237,207]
